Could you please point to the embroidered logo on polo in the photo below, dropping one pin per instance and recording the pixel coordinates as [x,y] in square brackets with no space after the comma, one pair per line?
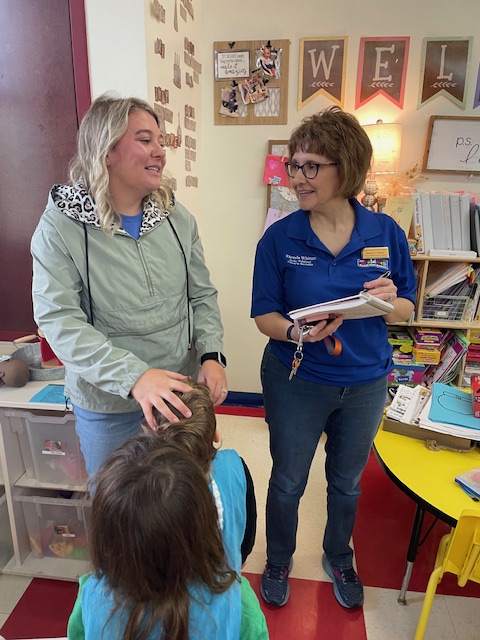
[373,262]
[300,261]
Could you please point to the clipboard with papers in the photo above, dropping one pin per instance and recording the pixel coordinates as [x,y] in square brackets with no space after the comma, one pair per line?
[361,305]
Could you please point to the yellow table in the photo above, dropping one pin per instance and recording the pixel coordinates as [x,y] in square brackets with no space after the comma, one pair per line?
[428,478]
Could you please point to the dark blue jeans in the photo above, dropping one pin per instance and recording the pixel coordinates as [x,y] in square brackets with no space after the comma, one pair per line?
[297,413]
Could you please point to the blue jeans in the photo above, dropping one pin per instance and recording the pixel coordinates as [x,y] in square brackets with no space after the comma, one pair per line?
[297,413]
[101,433]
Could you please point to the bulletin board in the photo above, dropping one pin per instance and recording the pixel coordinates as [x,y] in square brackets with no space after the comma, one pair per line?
[234,62]
[280,198]
[453,145]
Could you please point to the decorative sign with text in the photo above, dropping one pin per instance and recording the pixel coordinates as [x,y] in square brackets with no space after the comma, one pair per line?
[322,69]
[232,64]
[382,69]
[453,145]
[444,69]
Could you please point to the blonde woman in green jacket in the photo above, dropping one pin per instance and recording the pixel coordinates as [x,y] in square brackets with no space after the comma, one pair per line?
[120,285]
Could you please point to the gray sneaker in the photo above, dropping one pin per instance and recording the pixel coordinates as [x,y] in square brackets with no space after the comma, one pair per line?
[347,586]
[274,587]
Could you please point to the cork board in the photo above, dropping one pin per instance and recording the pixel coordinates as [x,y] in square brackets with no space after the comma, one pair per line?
[231,60]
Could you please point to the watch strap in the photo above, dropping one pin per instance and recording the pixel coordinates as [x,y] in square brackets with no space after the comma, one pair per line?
[214,355]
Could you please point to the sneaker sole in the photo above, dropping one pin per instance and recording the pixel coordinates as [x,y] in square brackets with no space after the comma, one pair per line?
[328,569]
[287,595]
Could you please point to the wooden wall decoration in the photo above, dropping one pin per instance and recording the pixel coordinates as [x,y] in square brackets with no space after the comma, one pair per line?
[231,68]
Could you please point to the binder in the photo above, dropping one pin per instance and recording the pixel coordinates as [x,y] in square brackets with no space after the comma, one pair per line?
[427,222]
[464,199]
[436,208]
[447,220]
[455,220]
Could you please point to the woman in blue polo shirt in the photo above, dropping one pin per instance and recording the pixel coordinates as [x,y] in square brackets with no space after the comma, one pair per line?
[330,248]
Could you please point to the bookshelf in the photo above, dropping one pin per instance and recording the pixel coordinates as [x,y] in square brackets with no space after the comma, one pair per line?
[422,264]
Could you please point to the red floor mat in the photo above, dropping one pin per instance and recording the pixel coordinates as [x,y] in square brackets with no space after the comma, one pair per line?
[311,612]
[382,533]
[42,611]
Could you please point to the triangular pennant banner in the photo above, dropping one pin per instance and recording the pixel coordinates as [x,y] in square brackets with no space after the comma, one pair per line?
[322,69]
[382,69]
[445,65]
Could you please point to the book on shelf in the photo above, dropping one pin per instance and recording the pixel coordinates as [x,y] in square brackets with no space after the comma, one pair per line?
[427,221]
[455,348]
[465,220]
[361,305]
[455,221]
[450,253]
[441,276]
[475,227]
[417,223]
[401,210]
[443,220]
[447,220]
[470,482]
[439,234]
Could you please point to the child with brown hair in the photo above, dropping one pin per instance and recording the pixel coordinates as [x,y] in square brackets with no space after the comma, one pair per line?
[231,485]
[227,472]
[168,522]
[159,566]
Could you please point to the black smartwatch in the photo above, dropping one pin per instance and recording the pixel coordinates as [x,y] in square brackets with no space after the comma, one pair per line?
[214,355]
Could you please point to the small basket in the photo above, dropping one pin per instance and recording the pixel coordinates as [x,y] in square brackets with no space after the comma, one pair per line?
[30,354]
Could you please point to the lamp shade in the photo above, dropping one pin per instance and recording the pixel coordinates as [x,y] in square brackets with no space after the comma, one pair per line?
[386,141]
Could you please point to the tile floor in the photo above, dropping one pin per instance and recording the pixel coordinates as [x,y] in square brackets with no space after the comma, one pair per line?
[312,601]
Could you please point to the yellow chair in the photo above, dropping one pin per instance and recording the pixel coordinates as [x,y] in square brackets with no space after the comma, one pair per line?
[458,553]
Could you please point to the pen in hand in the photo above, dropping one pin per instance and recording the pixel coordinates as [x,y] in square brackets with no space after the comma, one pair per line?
[387,274]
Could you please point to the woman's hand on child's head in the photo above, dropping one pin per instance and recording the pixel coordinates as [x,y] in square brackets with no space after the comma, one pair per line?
[155,387]
[212,373]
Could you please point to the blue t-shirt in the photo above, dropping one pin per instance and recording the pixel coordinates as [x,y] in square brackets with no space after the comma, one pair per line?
[293,269]
[211,616]
[132,224]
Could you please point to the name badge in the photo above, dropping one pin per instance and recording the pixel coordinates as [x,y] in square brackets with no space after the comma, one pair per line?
[375,252]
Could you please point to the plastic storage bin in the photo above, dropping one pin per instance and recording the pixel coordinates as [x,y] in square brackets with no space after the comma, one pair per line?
[57,526]
[50,448]
[6,545]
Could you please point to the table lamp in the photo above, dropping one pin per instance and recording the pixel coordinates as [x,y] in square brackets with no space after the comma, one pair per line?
[386,141]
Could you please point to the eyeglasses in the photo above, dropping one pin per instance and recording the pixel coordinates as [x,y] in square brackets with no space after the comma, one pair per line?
[309,169]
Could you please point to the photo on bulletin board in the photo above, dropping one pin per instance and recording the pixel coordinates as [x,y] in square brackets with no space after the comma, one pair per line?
[453,145]
[281,198]
[251,82]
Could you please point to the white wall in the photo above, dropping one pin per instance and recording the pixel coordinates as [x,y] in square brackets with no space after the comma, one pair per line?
[231,202]
[116,47]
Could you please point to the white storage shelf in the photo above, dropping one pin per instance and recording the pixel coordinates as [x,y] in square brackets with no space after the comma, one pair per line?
[18,480]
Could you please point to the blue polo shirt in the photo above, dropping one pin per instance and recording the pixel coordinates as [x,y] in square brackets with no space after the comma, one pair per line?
[293,269]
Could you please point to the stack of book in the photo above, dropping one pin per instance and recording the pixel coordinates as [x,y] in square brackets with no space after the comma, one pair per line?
[456,345]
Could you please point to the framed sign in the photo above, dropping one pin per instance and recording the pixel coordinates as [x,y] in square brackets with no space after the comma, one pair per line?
[453,145]
[232,64]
